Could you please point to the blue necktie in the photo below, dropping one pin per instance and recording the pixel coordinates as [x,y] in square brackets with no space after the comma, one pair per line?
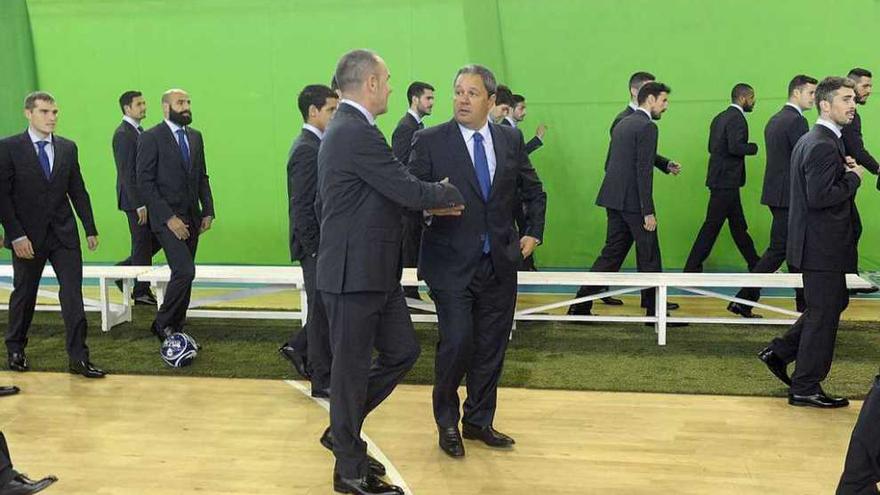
[184,148]
[44,158]
[481,164]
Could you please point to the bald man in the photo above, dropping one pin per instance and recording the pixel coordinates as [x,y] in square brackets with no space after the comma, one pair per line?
[173,181]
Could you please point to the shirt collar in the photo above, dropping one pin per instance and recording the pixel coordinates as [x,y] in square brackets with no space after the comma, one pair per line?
[35,138]
[633,106]
[792,105]
[415,115]
[831,125]
[640,109]
[174,127]
[511,121]
[469,133]
[134,123]
[734,105]
[361,109]
[314,130]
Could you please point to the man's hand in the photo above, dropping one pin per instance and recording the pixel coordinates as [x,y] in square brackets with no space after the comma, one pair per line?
[142,215]
[206,224]
[673,168]
[452,211]
[540,130]
[852,166]
[178,228]
[527,245]
[650,223]
[93,242]
[23,249]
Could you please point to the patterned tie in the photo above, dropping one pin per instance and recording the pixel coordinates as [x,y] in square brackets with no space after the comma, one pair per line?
[140,129]
[44,158]
[481,164]
[184,148]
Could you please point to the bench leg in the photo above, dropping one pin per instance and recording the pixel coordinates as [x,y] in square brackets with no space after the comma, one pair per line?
[303,305]
[660,311]
[104,298]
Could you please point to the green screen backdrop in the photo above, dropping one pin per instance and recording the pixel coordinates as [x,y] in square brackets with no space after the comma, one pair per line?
[244,62]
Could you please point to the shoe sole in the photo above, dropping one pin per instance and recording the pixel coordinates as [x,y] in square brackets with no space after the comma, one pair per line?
[804,404]
[471,437]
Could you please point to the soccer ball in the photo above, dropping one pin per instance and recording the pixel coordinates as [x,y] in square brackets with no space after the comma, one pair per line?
[179,350]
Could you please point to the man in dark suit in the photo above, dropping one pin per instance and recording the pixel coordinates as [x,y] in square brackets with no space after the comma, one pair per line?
[39,180]
[780,135]
[728,146]
[861,472]
[144,244]
[361,190]
[663,164]
[627,194]
[173,180]
[420,97]
[823,235]
[309,348]
[14,483]
[470,262]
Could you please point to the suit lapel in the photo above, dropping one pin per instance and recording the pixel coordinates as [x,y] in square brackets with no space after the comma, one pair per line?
[60,158]
[459,150]
[500,161]
[171,140]
[28,151]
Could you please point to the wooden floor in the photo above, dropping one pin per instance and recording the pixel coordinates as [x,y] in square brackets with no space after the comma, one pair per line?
[137,435]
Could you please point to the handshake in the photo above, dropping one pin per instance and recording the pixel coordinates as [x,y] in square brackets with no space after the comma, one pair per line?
[453,201]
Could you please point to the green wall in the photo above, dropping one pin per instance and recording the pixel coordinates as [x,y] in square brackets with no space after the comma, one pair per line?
[244,62]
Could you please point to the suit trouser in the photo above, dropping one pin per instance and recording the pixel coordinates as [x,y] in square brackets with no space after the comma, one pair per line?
[314,338]
[724,205]
[181,255]
[810,341]
[861,472]
[359,323]
[144,246]
[773,257]
[412,223]
[67,263]
[6,471]
[475,324]
[624,229]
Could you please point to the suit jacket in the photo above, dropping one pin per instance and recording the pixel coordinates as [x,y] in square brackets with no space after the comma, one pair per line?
[629,181]
[125,140]
[533,143]
[164,181]
[302,184]
[823,221]
[661,162]
[401,138]
[780,135]
[855,146]
[728,146]
[362,189]
[31,204]
[452,246]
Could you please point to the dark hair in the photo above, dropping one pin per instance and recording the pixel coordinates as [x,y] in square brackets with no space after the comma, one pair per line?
[828,87]
[30,101]
[517,99]
[504,96]
[416,90]
[652,88]
[354,68]
[484,73]
[740,90]
[127,98]
[638,79]
[314,94]
[858,72]
[333,84]
[799,81]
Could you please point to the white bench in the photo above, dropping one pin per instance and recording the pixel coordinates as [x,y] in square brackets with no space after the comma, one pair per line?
[273,278]
[112,314]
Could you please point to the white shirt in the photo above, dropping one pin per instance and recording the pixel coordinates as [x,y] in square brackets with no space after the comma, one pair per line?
[415,115]
[633,106]
[361,109]
[134,123]
[734,105]
[510,120]
[468,135]
[174,128]
[314,130]
[640,109]
[792,105]
[50,148]
[831,125]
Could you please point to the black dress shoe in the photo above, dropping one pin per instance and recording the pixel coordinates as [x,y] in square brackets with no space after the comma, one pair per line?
[775,364]
[161,334]
[450,441]
[368,485]
[321,393]
[146,299]
[578,310]
[869,290]
[22,485]
[671,306]
[299,360]
[488,435]
[819,400]
[86,369]
[18,362]
[376,468]
[612,301]
[743,310]
[4,391]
